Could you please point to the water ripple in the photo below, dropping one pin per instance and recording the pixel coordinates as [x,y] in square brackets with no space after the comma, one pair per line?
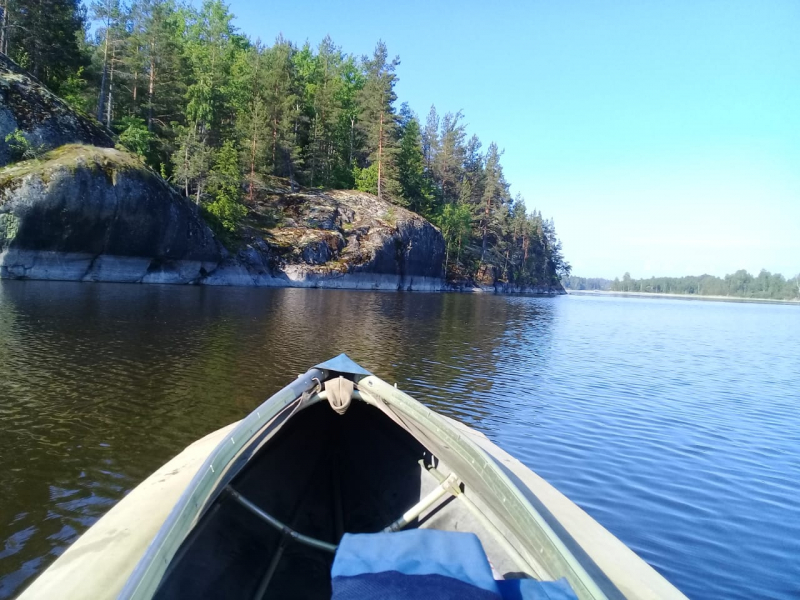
[675,424]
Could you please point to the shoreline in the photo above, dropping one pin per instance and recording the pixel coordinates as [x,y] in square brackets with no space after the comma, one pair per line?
[118,272]
[681,297]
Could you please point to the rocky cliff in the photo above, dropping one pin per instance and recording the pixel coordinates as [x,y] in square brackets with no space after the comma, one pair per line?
[97,214]
[333,238]
[42,118]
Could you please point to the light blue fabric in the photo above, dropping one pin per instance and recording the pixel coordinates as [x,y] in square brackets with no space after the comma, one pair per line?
[416,552]
[530,589]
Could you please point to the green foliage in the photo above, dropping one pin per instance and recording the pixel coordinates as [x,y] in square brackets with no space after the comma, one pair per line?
[390,216]
[415,187]
[191,161]
[43,36]
[220,115]
[22,148]
[377,121]
[225,189]
[573,282]
[740,284]
[134,135]
[74,89]
[366,180]
[456,224]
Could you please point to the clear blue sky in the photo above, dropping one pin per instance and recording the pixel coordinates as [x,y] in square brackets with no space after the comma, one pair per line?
[662,137]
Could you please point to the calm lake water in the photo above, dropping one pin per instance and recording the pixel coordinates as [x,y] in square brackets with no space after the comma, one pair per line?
[676,424]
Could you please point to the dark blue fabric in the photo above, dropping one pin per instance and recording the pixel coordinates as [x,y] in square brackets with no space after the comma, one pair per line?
[392,585]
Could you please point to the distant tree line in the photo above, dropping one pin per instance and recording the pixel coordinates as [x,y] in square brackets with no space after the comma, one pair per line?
[740,284]
[573,282]
[218,113]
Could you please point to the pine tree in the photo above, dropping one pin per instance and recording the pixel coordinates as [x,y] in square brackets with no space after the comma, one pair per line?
[449,161]
[347,137]
[430,140]
[378,121]
[253,117]
[133,59]
[166,86]
[212,47]
[495,191]
[109,14]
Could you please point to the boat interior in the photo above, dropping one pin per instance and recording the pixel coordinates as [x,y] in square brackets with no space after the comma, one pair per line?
[270,533]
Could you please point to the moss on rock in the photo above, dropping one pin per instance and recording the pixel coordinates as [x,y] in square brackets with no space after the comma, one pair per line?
[83,199]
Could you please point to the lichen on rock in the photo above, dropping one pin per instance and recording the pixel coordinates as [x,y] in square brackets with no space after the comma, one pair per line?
[341,238]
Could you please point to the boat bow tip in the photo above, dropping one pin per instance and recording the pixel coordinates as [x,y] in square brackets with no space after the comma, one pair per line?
[343,364]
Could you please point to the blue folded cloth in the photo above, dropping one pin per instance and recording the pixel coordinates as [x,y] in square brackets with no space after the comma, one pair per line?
[426,563]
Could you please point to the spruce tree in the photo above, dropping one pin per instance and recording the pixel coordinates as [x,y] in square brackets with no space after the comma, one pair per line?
[411,166]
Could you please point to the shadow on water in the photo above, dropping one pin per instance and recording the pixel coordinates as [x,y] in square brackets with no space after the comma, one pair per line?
[101,384]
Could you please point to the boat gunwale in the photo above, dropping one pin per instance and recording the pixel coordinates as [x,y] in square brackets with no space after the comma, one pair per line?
[151,567]
[556,557]
[559,560]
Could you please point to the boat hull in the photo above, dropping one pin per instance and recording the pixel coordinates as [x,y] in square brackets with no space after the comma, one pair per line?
[128,551]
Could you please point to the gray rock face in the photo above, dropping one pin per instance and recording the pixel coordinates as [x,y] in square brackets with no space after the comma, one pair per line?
[338,238]
[45,120]
[98,214]
[88,213]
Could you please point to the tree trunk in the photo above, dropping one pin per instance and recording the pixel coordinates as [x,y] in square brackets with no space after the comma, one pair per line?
[4,28]
[186,166]
[314,148]
[274,141]
[101,101]
[380,153]
[110,103]
[135,89]
[252,164]
[151,88]
[484,228]
[352,136]
[525,244]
